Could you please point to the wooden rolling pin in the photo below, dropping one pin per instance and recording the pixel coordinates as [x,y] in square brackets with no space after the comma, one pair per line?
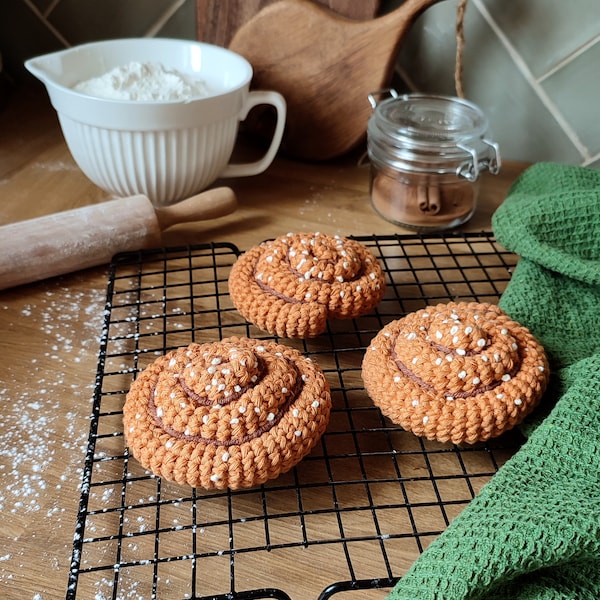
[89,236]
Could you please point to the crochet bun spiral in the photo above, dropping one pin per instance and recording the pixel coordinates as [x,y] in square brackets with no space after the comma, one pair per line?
[292,285]
[458,372]
[233,413]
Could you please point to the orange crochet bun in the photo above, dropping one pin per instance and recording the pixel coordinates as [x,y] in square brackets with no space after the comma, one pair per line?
[458,372]
[229,414]
[292,285]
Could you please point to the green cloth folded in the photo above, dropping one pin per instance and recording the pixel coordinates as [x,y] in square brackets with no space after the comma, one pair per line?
[533,532]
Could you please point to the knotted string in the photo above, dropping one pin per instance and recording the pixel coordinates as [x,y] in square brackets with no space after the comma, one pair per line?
[460,44]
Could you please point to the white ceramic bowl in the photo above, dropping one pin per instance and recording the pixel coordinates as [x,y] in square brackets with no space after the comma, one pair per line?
[165,150]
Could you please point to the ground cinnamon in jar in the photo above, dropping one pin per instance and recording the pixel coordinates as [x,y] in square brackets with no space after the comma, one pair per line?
[424,205]
[426,154]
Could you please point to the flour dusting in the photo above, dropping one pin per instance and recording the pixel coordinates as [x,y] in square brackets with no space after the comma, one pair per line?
[144,82]
[35,429]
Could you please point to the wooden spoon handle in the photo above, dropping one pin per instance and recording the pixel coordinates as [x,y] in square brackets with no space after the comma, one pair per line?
[210,204]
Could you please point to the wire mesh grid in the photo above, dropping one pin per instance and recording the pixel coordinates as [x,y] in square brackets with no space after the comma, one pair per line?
[349,519]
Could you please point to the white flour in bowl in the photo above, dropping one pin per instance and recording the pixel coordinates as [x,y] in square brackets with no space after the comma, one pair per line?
[144,82]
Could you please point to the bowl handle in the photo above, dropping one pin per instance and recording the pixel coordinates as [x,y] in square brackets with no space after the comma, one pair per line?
[254,168]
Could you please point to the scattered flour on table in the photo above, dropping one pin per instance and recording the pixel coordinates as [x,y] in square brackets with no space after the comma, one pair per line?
[144,82]
[27,434]
[29,443]
[56,166]
[28,429]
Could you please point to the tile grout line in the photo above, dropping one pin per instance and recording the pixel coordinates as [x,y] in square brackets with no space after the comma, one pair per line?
[568,59]
[406,78]
[48,10]
[537,88]
[590,160]
[164,18]
[34,9]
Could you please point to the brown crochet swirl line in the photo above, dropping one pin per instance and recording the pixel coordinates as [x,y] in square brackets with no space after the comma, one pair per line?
[292,285]
[458,372]
[231,414]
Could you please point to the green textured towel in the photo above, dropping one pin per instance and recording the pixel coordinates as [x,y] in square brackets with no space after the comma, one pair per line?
[533,532]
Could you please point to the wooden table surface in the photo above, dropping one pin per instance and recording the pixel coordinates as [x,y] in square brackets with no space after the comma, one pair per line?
[50,330]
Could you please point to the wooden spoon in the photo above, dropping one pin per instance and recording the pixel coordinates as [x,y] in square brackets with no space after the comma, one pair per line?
[325,66]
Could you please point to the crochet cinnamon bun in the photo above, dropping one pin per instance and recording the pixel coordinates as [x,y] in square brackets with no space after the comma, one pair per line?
[229,414]
[458,372]
[292,285]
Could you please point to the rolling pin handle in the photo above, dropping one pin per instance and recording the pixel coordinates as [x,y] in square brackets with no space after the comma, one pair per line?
[210,204]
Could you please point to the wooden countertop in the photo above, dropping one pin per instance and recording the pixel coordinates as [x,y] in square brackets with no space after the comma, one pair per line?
[49,331]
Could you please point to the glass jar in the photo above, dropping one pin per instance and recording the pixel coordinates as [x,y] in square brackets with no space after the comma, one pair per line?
[427,153]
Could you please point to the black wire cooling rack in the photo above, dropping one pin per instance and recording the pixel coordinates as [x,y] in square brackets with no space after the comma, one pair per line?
[349,519]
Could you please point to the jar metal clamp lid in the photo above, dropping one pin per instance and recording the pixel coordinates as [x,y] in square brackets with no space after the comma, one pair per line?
[428,133]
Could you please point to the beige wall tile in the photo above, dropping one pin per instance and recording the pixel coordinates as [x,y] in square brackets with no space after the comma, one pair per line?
[546,32]
[508,46]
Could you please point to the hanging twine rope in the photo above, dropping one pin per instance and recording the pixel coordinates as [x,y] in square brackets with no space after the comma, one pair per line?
[460,44]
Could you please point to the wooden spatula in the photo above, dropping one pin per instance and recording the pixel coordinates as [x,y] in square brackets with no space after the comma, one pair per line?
[325,66]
